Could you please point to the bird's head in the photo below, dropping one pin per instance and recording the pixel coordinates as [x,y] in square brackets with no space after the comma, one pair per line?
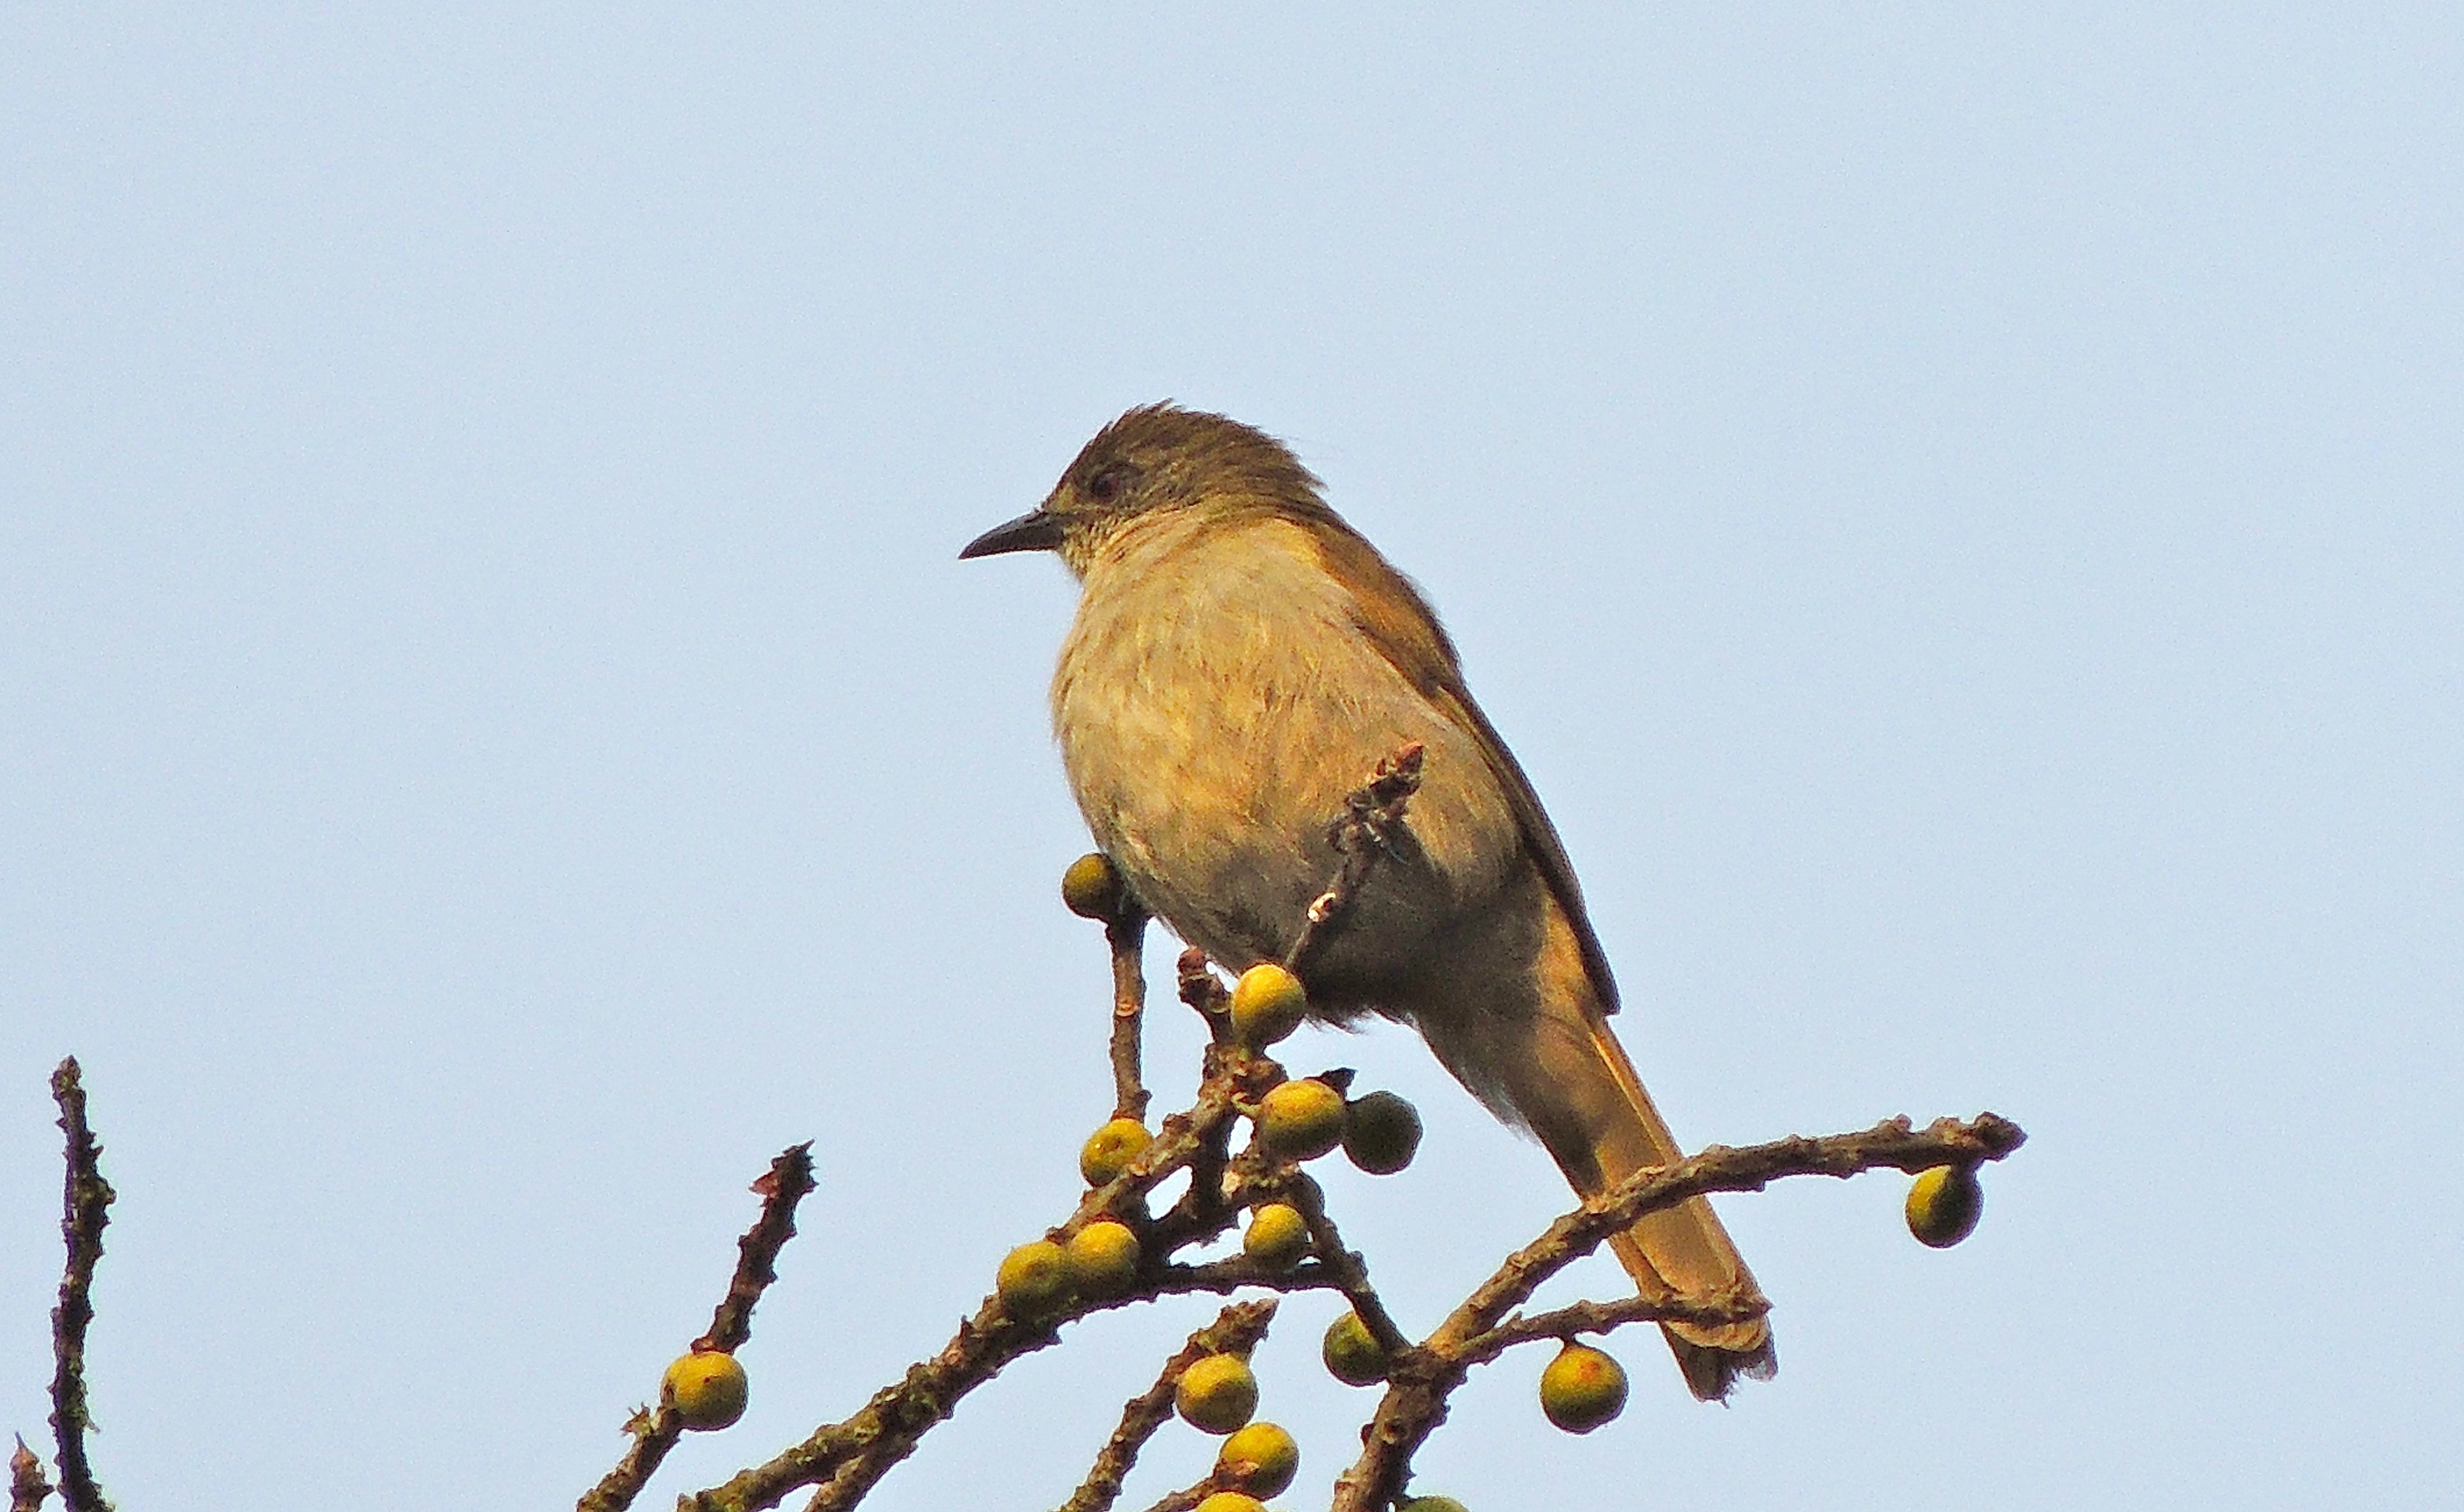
[1156,458]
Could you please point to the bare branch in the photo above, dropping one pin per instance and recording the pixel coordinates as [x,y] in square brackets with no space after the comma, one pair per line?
[1235,1331]
[1893,1142]
[85,1202]
[786,1183]
[1423,1378]
[887,1430]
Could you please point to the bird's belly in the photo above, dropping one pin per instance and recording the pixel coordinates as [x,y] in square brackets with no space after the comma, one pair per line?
[1218,819]
[1211,742]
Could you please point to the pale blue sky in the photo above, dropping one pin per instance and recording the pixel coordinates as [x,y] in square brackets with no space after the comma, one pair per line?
[1957,508]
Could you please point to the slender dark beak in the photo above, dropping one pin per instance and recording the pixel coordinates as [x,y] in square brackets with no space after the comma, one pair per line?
[1036,530]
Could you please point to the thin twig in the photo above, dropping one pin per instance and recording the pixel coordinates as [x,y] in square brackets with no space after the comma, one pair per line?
[1423,1378]
[1225,1277]
[1349,1270]
[85,1202]
[786,1183]
[1603,1317]
[27,1487]
[1235,1331]
[1362,835]
[1125,933]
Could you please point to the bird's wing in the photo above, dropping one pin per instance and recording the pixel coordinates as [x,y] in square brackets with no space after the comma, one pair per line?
[1399,622]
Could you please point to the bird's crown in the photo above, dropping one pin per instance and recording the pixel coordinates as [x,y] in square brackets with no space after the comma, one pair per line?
[1159,455]
[1154,458]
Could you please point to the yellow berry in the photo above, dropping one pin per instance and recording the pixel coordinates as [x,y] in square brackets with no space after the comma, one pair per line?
[1110,1150]
[1433,1505]
[707,1388]
[1381,1132]
[1260,1459]
[1218,1393]
[1034,1279]
[1300,1120]
[1103,1257]
[1944,1204]
[1091,888]
[1352,1354]
[1231,1502]
[1582,1389]
[1268,1003]
[1277,1236]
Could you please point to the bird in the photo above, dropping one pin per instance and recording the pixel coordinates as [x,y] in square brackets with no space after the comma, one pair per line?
[1239,660]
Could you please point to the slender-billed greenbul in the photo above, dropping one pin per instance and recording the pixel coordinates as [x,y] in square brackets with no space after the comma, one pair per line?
[1242,659]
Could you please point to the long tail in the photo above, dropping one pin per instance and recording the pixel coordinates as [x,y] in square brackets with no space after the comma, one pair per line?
[1570,1081]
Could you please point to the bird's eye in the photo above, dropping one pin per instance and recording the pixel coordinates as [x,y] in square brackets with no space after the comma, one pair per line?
[1109,485]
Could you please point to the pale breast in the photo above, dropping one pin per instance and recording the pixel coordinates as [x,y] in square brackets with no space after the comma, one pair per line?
[1216,699]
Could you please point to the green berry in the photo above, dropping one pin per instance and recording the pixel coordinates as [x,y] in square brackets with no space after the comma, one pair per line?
[1103,1257]
[707,1388]
[1217,1394]
[1034,1279]
[1277,1236]
[1352,1354]
[1260,1459]
[1268,1003]
[1582,1389]
[1381,1132]
[1110,1150]
[1300,1120]
[1092,888]
[1231,1502]
[1944,1204]
[1433,1505]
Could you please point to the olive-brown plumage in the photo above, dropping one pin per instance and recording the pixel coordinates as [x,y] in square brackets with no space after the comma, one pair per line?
[1239,660]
